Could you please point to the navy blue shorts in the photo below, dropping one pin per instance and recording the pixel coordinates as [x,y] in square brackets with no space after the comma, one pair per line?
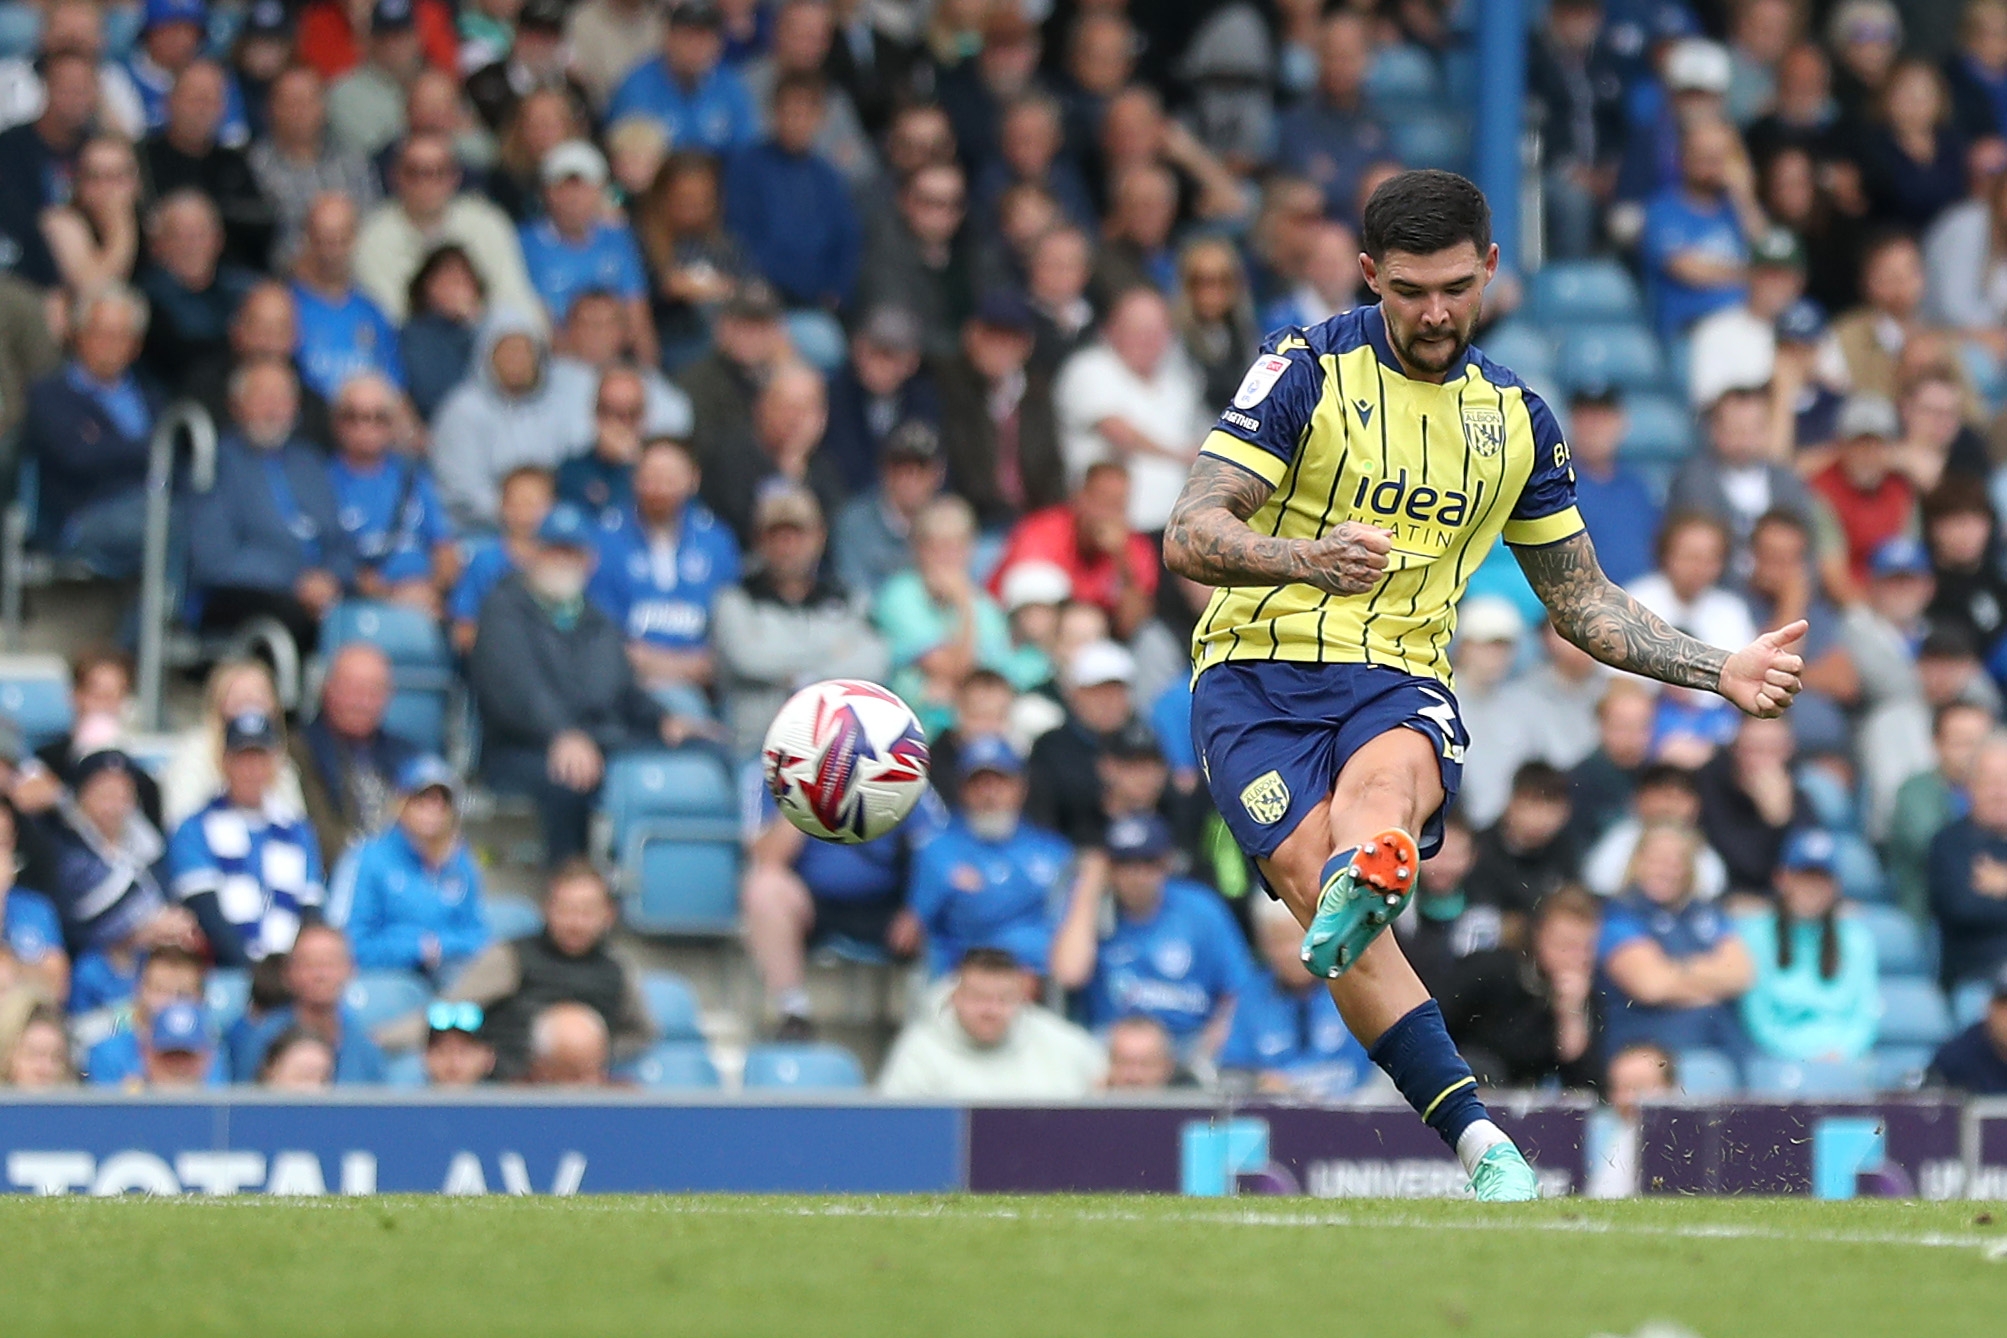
[1273,736]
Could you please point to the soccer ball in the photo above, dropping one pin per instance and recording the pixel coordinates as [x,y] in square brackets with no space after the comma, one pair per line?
[845,760]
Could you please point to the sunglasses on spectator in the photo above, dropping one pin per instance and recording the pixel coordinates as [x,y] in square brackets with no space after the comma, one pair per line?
[465,1017]
[622,412]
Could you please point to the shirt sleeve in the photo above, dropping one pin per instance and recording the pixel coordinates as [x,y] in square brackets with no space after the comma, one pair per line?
[189,861]
[1263,428]
[1621,925]
[633,283]
[1545,512]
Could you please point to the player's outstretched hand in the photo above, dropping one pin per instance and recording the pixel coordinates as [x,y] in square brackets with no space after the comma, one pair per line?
[1349,560]
[1762,677]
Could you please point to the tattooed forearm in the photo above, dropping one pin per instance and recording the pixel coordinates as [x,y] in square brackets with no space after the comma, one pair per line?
[1592,612]
[1208,540]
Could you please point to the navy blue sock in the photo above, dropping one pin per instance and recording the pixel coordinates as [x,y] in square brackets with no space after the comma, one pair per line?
[1419,1056]
[1334,866]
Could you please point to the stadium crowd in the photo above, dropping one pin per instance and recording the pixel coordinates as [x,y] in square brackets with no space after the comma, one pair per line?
[665,358]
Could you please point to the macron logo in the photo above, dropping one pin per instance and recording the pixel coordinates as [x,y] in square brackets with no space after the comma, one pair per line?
[1365,408]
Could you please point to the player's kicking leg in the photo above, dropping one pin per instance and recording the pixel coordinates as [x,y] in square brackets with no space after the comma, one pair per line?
[1345,871]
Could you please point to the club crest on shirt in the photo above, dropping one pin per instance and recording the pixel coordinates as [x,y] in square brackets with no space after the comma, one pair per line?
[1260,379]
[1266,798]
[1483,429]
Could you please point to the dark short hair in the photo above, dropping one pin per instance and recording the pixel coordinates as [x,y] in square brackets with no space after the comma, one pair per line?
[988,959]
[1778,517]
[1679,522]
[800,83]
[984,678]
[93,658]
[172,954]
[577,869]
[1426,211]
[663,441]
[1665,776]
[1656,1051]
[1569,901]
[438,258]
[1540,780]
[1949,709]
[285,1041]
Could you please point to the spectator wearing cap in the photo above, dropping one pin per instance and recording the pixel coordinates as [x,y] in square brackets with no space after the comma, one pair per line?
[999,433]
[882,386]
[1866,501]
[984,1041]
[526,498]
[1962,258]
[1807,373]
[1032,595]
[179,1054]
[1333,137]
[919,256]
[1168,949]
[1697,231]
[873,534]
[1489,630]
[266,541]
[508,413]
[39,154]
[575,247]
[410,898]
[31,932]
[1089,537]
[700,101]
[786,624]
[939,625]
[1816,994]
[1737,345]
[113,1005]
[557,691]
[663,558]
[1975,1060]
[171,38]
[1286,1033]
[1968,875]
[532,59]
[1686,82]
[428,208]
[799,894]
[370,77]
[1098,687]
[248,864]
[456,1053]
[348,762]
[1616,503]
[791,208]
[87,426]
[317,974]
[991,879]
[341,332]
[406,548]
[1738,478]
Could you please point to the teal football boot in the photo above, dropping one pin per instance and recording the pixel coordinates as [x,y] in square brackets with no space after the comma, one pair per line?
[1502,1176]
[1359,901]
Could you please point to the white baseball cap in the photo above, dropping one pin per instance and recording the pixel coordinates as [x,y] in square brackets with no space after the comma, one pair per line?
[1696,65]
[1035,583]
[573,158]
[1100,662]
[1489,618]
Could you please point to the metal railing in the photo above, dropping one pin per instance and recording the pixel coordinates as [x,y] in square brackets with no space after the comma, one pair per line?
[157,585]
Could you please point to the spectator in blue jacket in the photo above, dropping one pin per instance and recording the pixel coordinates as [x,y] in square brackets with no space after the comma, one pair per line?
[1817,993]
[30,930]
[790,208]
[318,970]
[575,248]
[1669,964]
[88,426]
[180,1051]
[526,498]
[1968,874]
[1615,501]
[1975,1060]
[248,864]
[405,545]
[1696,239]
[166,975]
[410,899]
[1169,951]
[991,879]
[267,540]
[701,102]
[1286,1034]
[662,561]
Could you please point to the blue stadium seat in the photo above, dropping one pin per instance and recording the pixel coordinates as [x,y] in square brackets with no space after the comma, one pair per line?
[1625,356]
[1423,138]
[1902,946]
[1900,1068]
[421,665]
[1575,292]
[1659,429]
[378,996]
[1913,1013]
[1859,868]
[1705,1073]
[673,1006]
[20,30]
[803,1066]
[676,837]
[672,1065]
[226,994]
[405,1069]
[35,694]
[1810,1079]
[1832,806]
[512,917]
[1524,349]
[1969,1002]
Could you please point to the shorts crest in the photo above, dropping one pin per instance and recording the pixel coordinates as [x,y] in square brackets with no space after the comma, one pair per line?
[1266,798]
[1483,429]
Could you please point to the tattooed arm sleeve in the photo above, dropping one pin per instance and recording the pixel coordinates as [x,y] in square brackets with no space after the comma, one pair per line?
[1594,613]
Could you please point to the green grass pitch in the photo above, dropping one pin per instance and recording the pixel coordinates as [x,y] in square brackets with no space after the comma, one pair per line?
[1143,1267]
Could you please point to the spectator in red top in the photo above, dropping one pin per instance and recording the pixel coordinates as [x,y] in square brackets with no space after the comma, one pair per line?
[1867,500]
[1088,537]
[332,33]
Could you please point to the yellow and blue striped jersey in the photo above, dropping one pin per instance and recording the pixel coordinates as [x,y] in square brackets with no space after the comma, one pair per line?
[1328,418]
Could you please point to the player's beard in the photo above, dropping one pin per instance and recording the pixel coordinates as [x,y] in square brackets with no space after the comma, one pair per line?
[1431,358]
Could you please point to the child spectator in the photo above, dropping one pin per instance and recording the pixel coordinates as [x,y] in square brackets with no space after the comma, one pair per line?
[297,1061]
[456,1055]
[167,975]
[1528,852]
[34,1048]
[1815,995]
